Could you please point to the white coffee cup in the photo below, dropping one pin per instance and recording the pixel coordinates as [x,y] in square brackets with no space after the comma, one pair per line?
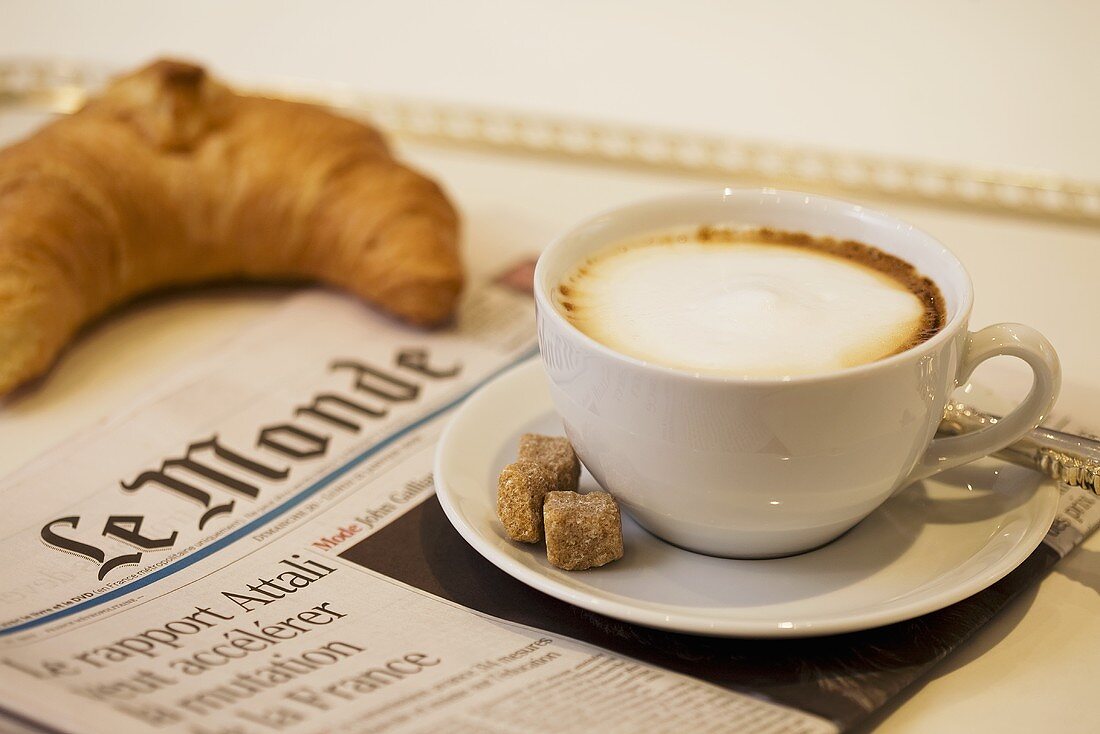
[752,467]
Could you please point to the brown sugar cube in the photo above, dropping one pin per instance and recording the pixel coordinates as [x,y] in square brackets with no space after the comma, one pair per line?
[556,454]
[521,488]
[582,530]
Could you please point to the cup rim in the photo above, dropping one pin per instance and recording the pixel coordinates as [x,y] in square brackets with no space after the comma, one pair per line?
[546,308]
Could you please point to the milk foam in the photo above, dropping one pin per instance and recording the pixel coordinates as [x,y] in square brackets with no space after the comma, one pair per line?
[740,308]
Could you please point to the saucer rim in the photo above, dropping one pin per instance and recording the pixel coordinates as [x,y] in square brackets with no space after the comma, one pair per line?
[645,613]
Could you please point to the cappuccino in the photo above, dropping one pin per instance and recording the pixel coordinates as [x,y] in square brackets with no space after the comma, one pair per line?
[754,303]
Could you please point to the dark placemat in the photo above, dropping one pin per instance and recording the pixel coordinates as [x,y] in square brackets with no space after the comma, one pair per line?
[845,678]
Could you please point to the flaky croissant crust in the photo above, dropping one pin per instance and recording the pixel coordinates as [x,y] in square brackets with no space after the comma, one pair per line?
[170,178]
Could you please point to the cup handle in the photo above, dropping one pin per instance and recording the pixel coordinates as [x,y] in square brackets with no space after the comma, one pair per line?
[1015,340]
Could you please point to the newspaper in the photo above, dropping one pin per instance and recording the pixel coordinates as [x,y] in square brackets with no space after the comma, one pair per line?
[188,566]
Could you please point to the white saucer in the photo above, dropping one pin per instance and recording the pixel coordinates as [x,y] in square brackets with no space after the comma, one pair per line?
[932,545]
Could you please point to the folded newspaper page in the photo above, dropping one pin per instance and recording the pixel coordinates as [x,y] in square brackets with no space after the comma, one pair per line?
[175,568]
[257,548]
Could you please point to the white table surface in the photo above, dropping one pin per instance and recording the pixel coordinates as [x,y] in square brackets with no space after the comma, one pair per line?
[1006,84]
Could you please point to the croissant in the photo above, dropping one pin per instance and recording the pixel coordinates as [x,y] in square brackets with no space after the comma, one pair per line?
[170,178]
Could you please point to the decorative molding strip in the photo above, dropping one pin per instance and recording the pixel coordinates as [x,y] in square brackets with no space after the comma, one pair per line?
[60,87]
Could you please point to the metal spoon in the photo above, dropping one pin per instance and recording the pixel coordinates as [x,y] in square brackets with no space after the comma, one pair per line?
[1064,457]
